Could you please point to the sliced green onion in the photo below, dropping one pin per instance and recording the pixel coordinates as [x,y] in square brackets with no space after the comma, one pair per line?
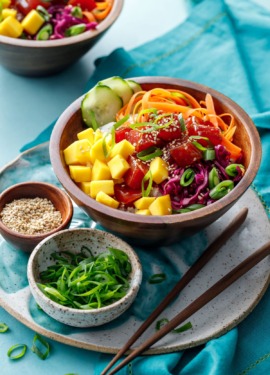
[187,177]
[45,32]
[183,328]
[182,122]
[14,348]
[157,278]
[43,12]
[232,171]
[190,208]
[139,125]
[93,120]
[77,12]
[149,180]
[213,178]
[148,110]
[222,189]
[149,153]
[199,146]
[3,327]
[75,29]
[162,322]
[209,154]
[85,281]
[41,353]
[105,148]
[121,122]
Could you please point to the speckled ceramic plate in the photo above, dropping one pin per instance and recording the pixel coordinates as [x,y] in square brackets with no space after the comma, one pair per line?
[213,320]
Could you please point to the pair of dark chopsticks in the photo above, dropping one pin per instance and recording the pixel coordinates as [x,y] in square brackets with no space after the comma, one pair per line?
[198,303]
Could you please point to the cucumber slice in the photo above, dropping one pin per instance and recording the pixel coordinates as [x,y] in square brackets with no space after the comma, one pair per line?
[134,85]
[119,86]
[100,106]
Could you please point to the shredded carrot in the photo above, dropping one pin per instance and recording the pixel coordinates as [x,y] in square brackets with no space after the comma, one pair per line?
[102,10]
[235,151]
[89,15]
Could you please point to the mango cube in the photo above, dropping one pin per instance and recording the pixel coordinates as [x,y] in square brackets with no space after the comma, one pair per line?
[161,206]
[97,150]
[118,166]
[101,171]
[159,169]
[143,203]
[5,3]
[11,27]
[87,134]
[85,187]
[98,135]
[80,173]
[9,12]
[107,186]
[107,200]
[32,22]
[145,212]
[123,148]
[78,152]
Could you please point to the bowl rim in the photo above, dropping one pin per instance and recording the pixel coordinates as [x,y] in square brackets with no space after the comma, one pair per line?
[135,280]
[101,27]
[188,217]
[40,236]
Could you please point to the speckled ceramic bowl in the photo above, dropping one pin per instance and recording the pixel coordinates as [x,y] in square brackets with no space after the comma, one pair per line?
[73,240]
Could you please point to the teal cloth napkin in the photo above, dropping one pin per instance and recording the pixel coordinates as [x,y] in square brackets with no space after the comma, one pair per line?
[224,44]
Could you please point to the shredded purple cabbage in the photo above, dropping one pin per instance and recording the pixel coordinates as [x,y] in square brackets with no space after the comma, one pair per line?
[62,19]
[198,191]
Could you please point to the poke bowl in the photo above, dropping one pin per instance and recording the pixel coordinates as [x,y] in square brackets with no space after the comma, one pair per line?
[39,38]
[177,156]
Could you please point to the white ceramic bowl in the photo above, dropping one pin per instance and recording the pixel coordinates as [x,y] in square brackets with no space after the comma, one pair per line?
[72,240]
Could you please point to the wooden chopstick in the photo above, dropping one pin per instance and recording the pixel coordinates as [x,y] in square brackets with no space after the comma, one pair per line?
[198,303]
[187,277]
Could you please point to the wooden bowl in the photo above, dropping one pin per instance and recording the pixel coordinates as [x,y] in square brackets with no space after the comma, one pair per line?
[72,240]
[41,58]
[149,230]
[59,199]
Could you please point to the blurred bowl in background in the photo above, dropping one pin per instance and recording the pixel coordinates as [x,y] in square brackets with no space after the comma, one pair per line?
[41,58]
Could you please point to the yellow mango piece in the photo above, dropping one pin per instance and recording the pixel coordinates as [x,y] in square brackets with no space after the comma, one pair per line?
[11,27]
[159,169]
[80,173]
[118,166]
[161,206]
[144,202]
[107,186]
[9,12]
[97,150]
[107,200]
[87,134]
[145,212]
[5,3]
[78,152]
[101,171]
[98,135]
[32,22]
[85,187]
[123,148]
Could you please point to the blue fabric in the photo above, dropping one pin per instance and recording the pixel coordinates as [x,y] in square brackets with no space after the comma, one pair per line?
[224,44]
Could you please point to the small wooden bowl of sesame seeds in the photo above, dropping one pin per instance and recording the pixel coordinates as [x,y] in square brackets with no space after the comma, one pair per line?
[31,211]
